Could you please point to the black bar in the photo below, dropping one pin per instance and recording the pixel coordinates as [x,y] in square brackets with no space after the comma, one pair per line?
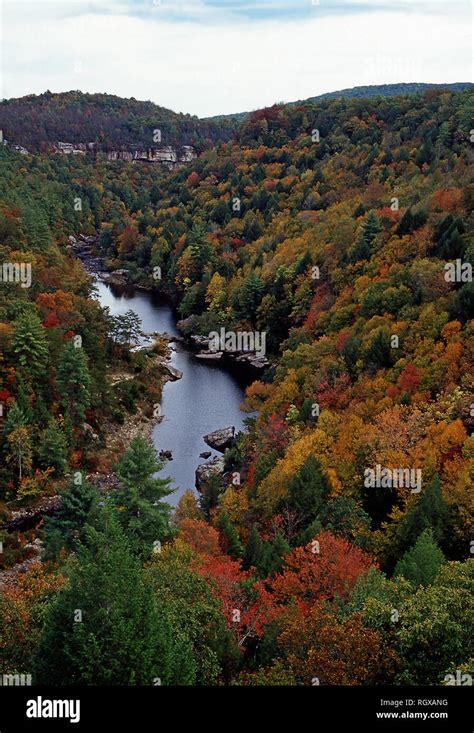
[312,708]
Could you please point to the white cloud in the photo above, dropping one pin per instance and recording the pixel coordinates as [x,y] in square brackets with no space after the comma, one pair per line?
[224,63]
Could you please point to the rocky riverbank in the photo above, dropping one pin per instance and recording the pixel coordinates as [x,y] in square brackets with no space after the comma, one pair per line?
[250,360]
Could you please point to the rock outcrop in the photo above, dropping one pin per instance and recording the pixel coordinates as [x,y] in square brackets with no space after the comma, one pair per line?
[174,373]
[205,470]
[220,439]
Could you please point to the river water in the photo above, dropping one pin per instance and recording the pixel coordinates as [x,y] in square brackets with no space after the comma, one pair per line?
[207,398]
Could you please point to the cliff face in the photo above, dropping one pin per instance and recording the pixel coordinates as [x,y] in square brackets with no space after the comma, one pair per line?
[168,155]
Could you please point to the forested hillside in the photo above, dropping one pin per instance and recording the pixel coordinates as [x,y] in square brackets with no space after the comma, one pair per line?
[36,122]
[391,90]
[337,548]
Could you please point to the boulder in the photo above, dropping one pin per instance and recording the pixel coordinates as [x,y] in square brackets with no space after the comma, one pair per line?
[205,454]
[202,342]
[210,355]
[186,324]
[220,439]
[174,373]
[205,470]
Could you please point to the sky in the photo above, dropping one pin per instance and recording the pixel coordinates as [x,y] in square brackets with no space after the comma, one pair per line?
[210,57]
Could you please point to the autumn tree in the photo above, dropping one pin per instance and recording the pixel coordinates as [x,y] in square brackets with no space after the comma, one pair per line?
[23,607]
[199,535]
[187,508]
[320,649]
[327,567]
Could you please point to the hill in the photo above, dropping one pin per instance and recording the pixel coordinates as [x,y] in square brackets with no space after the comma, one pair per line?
[375,90]
[111,122]
[389,90]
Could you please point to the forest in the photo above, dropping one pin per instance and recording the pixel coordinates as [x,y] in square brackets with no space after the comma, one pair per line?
[342,229]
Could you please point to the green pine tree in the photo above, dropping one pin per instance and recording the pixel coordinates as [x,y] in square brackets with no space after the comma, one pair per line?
[52,449]
[253,550]
[371,228]
[364,245]
[234,546]
[104,627]
[74,381]
[210,495]
[30,346]
[428,510]
[273,556]
[249,297]
[143,515]
[15,419]
[308,491]
[421,564]
[63,530]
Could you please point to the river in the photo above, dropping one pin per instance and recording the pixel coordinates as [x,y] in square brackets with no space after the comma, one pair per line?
[207,398]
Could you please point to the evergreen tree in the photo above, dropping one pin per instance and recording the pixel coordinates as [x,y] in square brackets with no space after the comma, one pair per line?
[210,495]
[379,353]
[426,511]
[143,516]
[233,544]
[30,346]
[342,516]
[201,251]
[73,380]
[306,411]
[308,490]
[273,556]
[36,226]
[15,419]
[126,328]
[52,450]
[249,296]
[253,550]
[308,534]
[363,248]
[24,402]
[63,530]
[448,237]
[104,627]
[421,564]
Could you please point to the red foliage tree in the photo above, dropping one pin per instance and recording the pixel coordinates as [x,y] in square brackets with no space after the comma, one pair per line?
[327,567]
[246,604]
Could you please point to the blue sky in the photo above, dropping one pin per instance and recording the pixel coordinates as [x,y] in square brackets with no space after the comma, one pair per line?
[219,56]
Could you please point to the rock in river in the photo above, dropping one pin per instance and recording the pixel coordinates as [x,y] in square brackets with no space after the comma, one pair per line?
[173,372]
[206,470]
[220,439]
[166,455]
